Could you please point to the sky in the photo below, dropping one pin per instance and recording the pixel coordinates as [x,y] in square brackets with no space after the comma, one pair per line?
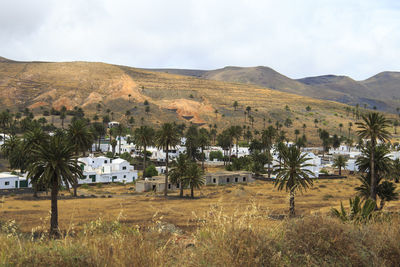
[298,38]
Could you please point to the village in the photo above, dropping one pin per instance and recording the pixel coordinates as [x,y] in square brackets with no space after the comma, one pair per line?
[99,169]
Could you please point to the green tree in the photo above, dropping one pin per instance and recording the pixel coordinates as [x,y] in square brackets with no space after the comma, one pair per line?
[150,171]
[81,139]
[293,175]
[203,142]
[144,137]
[340,162]
[55,164]
[179,172]
[373,127]
[235,105]
[194,178]
[167,137]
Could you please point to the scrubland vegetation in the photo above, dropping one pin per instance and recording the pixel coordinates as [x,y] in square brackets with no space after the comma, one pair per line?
[219,240]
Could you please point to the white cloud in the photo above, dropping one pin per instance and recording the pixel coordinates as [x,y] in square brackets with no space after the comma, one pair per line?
[297,38]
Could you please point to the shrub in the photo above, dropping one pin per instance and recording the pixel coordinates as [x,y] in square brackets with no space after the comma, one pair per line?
[150,171]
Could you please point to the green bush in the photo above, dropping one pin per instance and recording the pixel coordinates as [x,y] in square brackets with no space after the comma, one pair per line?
[150,171]
[216,155]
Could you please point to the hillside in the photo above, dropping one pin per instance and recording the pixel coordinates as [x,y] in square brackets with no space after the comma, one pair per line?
[382,90]
[41,86]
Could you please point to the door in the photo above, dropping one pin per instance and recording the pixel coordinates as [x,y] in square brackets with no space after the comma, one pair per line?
[16,184]
[114,178]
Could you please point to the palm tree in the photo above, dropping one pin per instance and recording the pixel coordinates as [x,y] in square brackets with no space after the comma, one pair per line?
[304,129]
[296,133]
[179,172]
[113,144]
[167,137]
[54,165]
[235,105]
[81,139]
[235,132]
[194,178]
[373,127]
[293,175]
[119,131]
[350,125]
[144,137]
[267,137]
[203,142]
[340,162]
[32,139]
[340,127]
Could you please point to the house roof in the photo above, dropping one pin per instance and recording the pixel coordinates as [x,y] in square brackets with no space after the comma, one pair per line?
[7,175]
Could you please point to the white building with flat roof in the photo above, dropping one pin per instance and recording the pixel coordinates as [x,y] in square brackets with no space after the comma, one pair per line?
[11,181]
[106,170]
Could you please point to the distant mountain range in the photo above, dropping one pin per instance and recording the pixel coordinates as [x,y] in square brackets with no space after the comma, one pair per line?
[381,91]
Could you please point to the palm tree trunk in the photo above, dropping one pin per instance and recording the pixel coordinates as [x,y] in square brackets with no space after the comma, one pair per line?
[144,159]
[119,146]
[54,209]
[291,203]
[340,171]
[372,171]
[180,189]
[166,171]
[35,190]
[202,158]
[75,185]
[191,192]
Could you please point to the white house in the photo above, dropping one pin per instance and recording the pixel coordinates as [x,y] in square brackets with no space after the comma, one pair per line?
[106,170]
[11,181]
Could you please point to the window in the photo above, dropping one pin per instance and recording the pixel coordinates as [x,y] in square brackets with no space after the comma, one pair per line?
[214,180]
[177,185]
[227,180]
[169,186]
[92,161]
[236,180]
[105,161]
[124,176]
[7,183]
[244,179]
[124,168]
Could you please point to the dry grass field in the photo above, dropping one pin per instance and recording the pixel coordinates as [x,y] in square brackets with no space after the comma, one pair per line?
[108,201]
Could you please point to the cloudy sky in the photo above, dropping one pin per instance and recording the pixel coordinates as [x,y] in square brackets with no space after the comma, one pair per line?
[298,38]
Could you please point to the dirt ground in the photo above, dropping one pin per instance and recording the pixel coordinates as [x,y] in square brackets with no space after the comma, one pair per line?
[109,201]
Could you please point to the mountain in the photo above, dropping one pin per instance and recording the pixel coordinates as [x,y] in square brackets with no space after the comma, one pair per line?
[97,87]
[381,91]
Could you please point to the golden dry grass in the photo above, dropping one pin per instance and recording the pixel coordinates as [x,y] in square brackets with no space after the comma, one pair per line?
[139,209]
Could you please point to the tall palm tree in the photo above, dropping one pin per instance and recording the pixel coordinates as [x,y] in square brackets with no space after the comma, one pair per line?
[167,137]
[340,162]
[179,172]
[293,175]
[203,142]
[81,139]
[194,178]
[373,127]
[235,132]
[144,137]
[119,131]
[32,139]
[55,164]
[267,137]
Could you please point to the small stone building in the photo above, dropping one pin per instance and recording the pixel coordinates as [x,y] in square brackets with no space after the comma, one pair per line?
[227,177]
[156,184]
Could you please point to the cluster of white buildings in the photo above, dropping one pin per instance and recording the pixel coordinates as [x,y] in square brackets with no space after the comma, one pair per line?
[106,170]
[95,170]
